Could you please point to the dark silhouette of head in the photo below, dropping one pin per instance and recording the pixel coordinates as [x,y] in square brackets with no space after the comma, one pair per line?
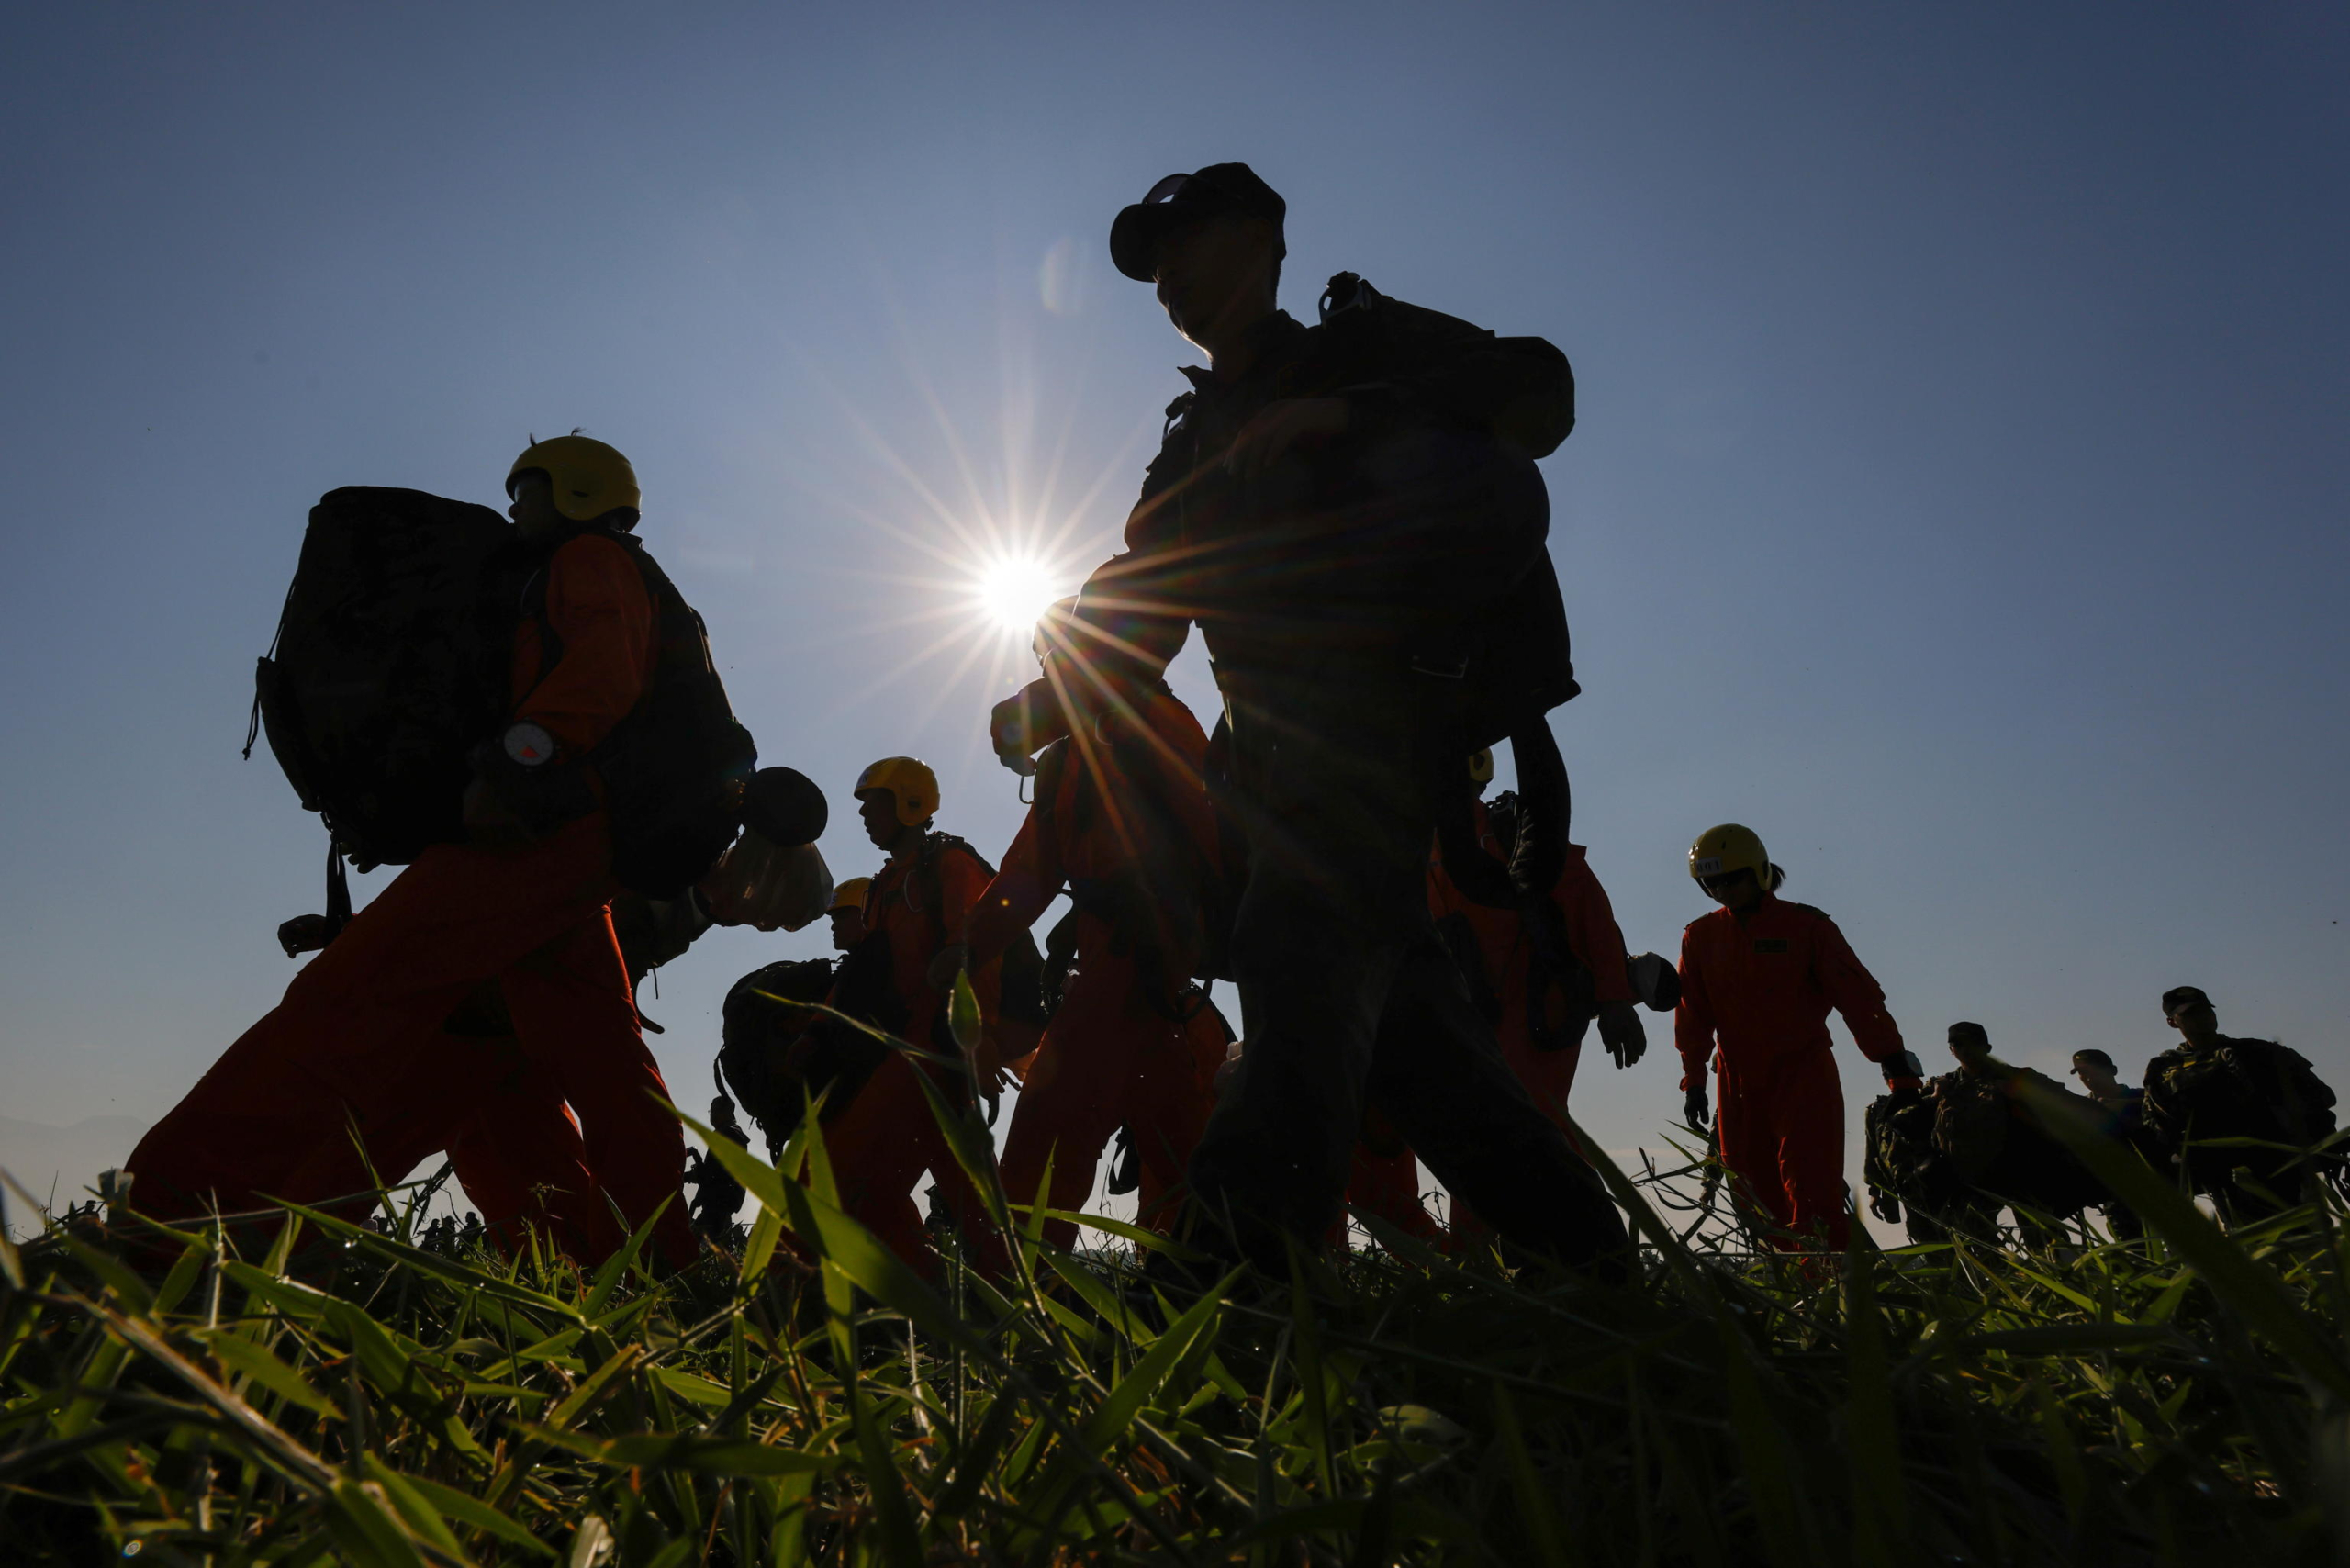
[1212,243]
[2188,1011]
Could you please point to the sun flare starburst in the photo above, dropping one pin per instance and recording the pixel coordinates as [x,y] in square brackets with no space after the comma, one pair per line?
[1014,591]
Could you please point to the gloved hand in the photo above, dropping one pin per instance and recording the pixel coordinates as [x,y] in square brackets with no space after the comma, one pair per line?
[1621,1032]
[1693,1109]
[1886,1206]
[305,934]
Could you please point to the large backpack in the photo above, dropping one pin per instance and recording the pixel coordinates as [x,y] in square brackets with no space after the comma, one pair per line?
[1902,1166]
[675,769]
[1503,658]
[376,686]
[1995,1146]
[776,1055]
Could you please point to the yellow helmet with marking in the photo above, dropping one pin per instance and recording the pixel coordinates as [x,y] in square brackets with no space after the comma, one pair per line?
[850,895]
[588,478]
[1726,850]
[912,785]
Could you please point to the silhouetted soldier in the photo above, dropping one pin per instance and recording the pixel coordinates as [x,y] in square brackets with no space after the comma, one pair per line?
[2124,1119]
[2213,1086]
[717,1195]
[1998,1155]
[1352,514]
[2102,1079]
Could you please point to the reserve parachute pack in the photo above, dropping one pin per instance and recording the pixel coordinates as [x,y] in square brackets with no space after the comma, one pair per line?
[390,666]
[376,685]
[676,768]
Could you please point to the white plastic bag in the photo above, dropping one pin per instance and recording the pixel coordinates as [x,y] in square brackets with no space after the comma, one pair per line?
[761,884]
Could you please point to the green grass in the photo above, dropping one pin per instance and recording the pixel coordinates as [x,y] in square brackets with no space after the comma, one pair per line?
[338,1393]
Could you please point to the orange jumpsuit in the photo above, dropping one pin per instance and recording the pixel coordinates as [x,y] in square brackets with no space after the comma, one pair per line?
[1507,950]
[1387,1185]
[1755,994]
[1127,1045]
[886,1137]
[357,1040]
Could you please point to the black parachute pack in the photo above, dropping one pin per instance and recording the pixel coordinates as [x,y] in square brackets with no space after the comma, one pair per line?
[389,669]
[1901,1165]
[776,1055]
[1500,653]
[1995,1146]
[675,769]
[2241,1089]
[377,685]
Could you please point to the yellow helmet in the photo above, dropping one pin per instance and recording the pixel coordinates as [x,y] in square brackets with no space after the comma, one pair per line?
[851,895]
[910,784]
[1729,849]
[589,478]
[1481,766]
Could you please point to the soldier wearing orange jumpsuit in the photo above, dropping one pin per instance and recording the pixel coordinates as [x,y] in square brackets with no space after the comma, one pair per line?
[886,1137]
[357,1042]
[1520,955]
[1758,977]
[1122,821]
[1505,949]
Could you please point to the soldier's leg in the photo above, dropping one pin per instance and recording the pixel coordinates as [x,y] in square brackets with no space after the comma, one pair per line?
[1275,1154]
[273,1114]
[1169,1096]
[1437,1073]
[878,1153]
[1809,1100]
[1749,1140]
[1075,1093]
[1388,1186]
[575,1020]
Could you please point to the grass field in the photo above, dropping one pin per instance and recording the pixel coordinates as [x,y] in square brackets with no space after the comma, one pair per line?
[336,1393]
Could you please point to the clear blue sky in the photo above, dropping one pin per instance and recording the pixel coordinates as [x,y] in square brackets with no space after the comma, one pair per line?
[1959,497]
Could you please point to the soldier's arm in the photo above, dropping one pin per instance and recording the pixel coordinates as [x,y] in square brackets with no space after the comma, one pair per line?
[1853,993]
[1692,1021]
[1029,880]
[1593,932]
[597,605]
[1137,606]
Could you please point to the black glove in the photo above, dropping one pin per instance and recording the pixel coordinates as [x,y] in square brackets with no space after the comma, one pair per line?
[1620,1031]
[1693,1109]
[306,934]
[1886,1206]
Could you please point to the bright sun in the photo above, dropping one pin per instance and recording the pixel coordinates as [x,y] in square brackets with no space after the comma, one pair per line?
[1015,592]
